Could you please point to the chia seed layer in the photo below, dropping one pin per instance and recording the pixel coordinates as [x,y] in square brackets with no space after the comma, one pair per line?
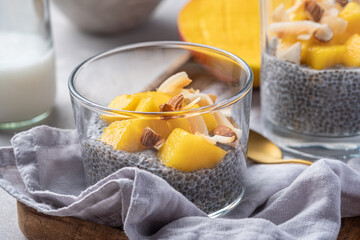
[298,98]
[209,189]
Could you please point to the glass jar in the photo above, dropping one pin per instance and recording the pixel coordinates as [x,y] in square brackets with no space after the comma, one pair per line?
[27,71]
[138,70]
[310,88]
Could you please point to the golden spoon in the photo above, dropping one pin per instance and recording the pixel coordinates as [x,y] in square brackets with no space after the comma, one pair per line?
[262,150]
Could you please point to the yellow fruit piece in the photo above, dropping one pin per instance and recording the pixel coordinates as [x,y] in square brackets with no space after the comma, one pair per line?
[352,54]
[125,135]
[232,25]
[210,121]
[351,13]
[147,105]
[182,123]
[188,152]
[123,102]
[321,57]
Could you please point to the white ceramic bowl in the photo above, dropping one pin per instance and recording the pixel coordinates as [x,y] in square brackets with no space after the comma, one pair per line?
[107,16]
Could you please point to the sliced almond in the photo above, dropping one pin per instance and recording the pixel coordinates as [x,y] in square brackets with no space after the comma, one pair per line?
[224,131]
[294,27]
[314,11]
[159,144]
[338,25]
[280,14]
[222,120]
[149,138]
[175,83]
[291,54]
[324,33]
[174,104]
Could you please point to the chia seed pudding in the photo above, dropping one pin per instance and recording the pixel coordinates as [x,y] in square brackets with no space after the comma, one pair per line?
[209,189]
[314,102]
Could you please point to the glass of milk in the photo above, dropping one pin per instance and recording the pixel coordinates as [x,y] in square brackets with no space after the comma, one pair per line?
[27,69]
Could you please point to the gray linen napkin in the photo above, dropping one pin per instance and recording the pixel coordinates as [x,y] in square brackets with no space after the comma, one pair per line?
[43,169]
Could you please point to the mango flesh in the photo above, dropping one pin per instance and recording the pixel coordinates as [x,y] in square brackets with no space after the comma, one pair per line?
[352,56]
[125,135]
[351,13]
[188,152]
[232,25]
[320,57]
[143,102]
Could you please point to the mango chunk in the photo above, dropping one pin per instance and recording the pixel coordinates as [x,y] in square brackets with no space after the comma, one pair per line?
[125,135]
[351,13]
[352,55]
[188,152]
[123,102]
[321,57]
[151,101]
[210,121]
[179,123]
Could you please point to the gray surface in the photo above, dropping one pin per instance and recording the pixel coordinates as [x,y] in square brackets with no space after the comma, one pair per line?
[72,47]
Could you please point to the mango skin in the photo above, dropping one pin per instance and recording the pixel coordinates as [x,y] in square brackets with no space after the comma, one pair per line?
[188,152]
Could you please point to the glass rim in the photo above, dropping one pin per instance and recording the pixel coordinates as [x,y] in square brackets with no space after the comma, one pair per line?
[114,111]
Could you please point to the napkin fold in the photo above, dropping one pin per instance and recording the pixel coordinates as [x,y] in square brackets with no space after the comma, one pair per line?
[43,169]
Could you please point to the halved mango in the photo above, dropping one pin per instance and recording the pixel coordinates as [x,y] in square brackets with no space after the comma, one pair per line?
[352,55]
[232,25]
[188,152]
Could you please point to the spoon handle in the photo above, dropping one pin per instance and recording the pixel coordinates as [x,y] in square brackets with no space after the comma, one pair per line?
[294,160]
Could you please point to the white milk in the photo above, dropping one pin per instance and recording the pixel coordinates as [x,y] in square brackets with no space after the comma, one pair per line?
[27,77]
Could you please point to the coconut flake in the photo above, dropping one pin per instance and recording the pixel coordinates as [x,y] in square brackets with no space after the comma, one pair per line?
[324,33]
[291,54]
[338,25]
[294,27]
[280,14]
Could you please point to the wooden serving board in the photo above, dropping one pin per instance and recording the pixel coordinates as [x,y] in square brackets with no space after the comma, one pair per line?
[38,226]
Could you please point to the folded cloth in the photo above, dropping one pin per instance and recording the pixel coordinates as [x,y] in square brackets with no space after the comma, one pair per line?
[43,169]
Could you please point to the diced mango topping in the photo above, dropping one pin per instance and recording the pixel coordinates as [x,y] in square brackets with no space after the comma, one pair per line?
[320,57]
[124,135]
[183,142]
[328,33]
[352,55]
[188,152]
[351,13]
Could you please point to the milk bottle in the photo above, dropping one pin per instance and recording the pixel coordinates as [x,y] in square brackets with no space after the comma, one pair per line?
[27,71]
